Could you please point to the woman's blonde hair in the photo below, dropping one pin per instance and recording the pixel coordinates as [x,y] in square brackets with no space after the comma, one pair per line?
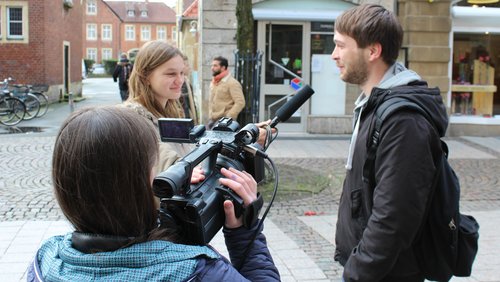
[150,56]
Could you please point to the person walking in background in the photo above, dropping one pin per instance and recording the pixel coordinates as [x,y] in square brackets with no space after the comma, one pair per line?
[102,172]
[122,75]
[377,226]
[226,94]
[187,98]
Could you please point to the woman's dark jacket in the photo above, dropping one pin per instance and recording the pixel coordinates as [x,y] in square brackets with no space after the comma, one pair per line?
[377,225]
[157,261]
[122,74]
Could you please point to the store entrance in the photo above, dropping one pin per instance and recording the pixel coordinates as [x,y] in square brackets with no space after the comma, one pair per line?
[285,68]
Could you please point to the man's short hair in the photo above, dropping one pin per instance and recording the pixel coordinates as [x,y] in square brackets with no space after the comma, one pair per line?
[222,61]
[371,23]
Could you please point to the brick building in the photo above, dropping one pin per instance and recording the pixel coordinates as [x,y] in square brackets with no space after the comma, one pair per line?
[40,43]
[115,27]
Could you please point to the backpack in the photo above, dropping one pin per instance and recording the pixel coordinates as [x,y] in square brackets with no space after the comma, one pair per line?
[447,241]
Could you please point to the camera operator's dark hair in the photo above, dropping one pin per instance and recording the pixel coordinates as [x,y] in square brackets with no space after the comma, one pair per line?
[102,173]
[371,23]
[222,61]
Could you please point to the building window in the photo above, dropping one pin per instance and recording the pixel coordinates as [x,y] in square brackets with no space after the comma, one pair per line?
[161,33]
[145,33]
[107,54]
[174,33]
[14,22]
[91,32]
[92,54]
[130,13]
[144,13]
[91,7]
[130,32]
[107,32]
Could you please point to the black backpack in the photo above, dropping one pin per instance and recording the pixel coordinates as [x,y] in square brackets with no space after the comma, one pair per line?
[447,242]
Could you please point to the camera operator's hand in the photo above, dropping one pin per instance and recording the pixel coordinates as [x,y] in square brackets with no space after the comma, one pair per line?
[243,184]
[198,175]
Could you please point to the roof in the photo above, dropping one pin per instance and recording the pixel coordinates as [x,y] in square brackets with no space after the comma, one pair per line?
[158,12]
[191,11]
[299,10]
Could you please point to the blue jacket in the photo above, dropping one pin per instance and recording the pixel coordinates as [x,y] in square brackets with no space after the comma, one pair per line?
[57,260]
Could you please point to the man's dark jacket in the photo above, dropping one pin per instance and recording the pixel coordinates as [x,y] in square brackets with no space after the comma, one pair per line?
[377,225]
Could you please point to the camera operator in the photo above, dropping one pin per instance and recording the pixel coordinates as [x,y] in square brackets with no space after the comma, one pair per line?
[102,183]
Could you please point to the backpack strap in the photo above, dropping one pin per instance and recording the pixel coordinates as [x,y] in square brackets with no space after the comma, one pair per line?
[385,109]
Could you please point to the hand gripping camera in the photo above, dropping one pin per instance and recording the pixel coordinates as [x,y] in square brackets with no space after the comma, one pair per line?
[198,208]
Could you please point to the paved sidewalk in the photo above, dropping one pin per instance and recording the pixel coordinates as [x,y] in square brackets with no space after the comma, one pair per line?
[302,246]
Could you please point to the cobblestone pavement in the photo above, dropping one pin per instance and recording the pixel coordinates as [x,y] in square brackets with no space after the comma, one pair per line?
[25,191]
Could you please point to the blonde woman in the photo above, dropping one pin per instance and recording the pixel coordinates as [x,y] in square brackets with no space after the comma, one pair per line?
[155,87]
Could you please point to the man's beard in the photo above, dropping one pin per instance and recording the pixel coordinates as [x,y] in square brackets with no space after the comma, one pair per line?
[357,73]
[216,73]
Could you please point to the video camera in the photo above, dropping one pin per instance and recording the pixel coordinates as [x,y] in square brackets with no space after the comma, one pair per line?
[198,208]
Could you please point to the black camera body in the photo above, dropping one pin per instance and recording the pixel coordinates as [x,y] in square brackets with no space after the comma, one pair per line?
[198,208]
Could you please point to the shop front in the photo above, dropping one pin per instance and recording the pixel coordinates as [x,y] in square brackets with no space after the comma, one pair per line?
[475,71]
[297,40]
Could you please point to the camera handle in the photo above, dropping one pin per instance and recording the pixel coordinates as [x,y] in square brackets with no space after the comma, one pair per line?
[229,194]
[250,213]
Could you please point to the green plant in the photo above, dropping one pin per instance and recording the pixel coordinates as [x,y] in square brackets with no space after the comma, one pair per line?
[88,64]
[109,66]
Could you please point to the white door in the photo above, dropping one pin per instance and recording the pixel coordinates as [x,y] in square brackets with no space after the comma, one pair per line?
[286,63]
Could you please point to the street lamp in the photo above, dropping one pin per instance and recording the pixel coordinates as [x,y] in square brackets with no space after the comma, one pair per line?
[194,27]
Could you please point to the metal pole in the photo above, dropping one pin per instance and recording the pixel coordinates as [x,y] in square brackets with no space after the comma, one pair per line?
[71,102]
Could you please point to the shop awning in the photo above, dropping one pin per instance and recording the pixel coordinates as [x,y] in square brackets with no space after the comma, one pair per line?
[476,19]
[299,10]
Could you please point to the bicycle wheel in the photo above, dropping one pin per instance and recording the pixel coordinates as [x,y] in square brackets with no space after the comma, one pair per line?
[12,111]
[44,103]
[32,106]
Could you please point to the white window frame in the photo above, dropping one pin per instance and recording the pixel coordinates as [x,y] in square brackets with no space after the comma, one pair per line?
[144,13]
[5,36]
[130,13]
[129,32]
[107,53]
[91,54]
[91,7]
[91,31]
[107,34]
[9,22]
[145,32]
[161,32]
[174,33]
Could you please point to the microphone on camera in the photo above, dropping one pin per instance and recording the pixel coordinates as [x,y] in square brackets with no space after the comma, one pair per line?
[287,110]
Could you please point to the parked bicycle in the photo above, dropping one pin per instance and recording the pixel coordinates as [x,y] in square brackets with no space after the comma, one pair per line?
[22,92]
[38,91]
[12,109]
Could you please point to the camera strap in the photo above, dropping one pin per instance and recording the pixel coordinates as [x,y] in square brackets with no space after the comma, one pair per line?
[251,212]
